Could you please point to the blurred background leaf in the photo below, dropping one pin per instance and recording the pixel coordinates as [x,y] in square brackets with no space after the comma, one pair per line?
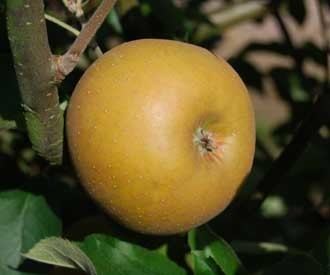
[298,10]
[296,264]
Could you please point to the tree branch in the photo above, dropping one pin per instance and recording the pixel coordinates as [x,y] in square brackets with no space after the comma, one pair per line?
[74,31]
[68,61]
[76,8]
[33,65]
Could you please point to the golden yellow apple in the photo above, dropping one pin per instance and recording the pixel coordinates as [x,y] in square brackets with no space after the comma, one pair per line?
[162,134]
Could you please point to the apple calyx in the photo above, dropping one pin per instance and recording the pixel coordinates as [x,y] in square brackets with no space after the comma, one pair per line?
[209,146]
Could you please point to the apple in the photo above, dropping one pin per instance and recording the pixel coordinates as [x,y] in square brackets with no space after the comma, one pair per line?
[162,134]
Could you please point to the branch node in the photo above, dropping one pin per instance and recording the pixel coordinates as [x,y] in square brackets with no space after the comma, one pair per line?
[66,63]
[63,65]
[75,7]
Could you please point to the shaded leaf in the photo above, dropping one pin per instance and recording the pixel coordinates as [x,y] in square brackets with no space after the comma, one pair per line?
[205,265]
[7,124]
[60,252]
[216,248]
[298,93]
[113,256]
[24,220]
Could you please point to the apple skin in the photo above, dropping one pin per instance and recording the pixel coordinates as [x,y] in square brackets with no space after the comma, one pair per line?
[162,134]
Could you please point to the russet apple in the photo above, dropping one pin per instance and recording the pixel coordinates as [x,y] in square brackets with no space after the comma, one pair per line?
[162,134]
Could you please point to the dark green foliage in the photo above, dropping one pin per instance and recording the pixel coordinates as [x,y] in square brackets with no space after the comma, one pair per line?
[249,73]
[298,10]
[288,234]
[112,256]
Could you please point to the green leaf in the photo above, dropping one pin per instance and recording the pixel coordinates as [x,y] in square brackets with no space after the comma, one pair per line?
[114,21]
[219,250]
[298,93]
[24,220]
[7,124]
[114,257]
[204,265]
[302,264]
[62,253]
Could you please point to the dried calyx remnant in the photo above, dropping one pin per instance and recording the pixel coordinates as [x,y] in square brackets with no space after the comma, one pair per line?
[209,146]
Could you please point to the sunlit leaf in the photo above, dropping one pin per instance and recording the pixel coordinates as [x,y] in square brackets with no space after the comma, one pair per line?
[60,252]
